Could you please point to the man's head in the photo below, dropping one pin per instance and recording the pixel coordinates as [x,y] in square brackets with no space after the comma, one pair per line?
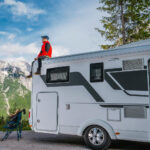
[45,38]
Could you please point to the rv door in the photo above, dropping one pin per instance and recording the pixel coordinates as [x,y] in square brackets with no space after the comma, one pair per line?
[47,112]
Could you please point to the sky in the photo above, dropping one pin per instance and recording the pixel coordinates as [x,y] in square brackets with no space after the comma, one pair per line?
[70,24]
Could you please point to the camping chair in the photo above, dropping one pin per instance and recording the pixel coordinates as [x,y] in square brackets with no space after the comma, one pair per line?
[14,125]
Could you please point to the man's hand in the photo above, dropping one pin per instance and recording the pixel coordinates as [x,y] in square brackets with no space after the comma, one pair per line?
[35,58]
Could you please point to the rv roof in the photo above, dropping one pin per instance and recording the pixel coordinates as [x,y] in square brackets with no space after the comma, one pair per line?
[135,47]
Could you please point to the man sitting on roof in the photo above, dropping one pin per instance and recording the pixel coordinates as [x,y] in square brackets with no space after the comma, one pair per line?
[46,52]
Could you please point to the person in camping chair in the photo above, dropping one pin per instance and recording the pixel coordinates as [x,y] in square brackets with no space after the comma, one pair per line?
[46,52]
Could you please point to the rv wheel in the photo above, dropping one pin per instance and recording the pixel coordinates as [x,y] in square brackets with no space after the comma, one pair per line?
[97,138]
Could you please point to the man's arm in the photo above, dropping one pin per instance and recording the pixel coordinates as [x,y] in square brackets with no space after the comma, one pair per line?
[38,55]
[47,47]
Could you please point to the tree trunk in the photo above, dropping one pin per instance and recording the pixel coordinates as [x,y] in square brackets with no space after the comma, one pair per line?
[122,22]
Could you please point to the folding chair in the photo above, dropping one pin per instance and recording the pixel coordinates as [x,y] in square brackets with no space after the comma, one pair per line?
[13,125]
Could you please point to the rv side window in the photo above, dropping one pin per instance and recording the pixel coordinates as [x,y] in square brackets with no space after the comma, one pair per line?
[96,72]
[60,74]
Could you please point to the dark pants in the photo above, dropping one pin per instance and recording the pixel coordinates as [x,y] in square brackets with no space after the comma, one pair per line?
[39,63]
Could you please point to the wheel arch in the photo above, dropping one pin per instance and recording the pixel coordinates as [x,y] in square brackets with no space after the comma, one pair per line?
[100,123]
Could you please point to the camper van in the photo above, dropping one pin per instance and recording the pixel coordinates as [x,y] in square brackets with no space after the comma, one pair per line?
[100,95]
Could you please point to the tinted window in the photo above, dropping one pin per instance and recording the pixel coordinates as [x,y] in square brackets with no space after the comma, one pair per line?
[96,72]
[60,74]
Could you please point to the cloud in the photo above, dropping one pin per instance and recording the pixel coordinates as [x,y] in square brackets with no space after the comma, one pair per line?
[16,59]
[19,8]
[17,48]
[76,32]
[10,36]
[11,51]
[3,33]
[29,29]
[59,51]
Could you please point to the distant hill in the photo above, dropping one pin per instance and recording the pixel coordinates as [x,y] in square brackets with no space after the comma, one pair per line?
[15,89]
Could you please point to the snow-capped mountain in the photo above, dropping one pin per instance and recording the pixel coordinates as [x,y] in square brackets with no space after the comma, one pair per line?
[15,70]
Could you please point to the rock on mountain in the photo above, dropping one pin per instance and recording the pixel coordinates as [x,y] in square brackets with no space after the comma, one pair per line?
[15,70]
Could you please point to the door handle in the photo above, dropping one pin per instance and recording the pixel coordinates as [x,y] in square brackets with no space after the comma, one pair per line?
[39,100]
[67,106]
[38,121]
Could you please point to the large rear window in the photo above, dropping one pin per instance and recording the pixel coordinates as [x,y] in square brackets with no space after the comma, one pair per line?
[59,74]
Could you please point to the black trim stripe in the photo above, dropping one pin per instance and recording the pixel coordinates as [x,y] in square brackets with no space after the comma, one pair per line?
[109,80]
[76,79]
[135,94]
[122,105]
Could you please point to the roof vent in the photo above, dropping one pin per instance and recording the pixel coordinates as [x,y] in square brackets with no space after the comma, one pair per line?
[134,64]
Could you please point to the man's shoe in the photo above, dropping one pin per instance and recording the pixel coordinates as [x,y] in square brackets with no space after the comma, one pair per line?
[37,73]
[29,76]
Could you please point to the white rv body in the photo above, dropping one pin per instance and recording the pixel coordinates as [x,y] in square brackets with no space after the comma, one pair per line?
[119,103]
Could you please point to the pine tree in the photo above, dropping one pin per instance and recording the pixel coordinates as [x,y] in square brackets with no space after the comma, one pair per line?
[126,21]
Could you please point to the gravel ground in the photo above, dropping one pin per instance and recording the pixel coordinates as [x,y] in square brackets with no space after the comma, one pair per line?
[38,141]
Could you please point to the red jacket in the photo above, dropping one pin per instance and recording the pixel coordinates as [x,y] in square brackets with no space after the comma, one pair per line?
[46,50]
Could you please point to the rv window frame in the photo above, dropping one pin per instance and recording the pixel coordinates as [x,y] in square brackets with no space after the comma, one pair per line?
[101,67]
[58,68]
